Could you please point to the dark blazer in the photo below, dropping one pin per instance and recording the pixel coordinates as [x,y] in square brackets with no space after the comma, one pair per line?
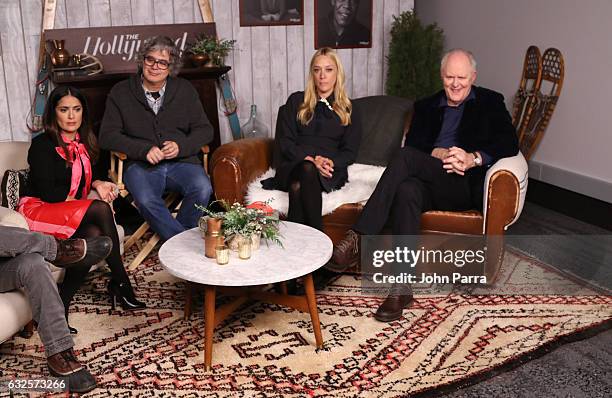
[130,125]
[49,174]
[323,136]
[485,126]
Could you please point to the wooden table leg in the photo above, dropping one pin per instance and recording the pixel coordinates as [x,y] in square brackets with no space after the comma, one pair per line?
[283,287]
[209,324]
[188,300]
[312,308]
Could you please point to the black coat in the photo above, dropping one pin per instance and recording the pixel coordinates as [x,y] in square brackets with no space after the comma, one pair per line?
[49,174]
[324,136]
[485,126]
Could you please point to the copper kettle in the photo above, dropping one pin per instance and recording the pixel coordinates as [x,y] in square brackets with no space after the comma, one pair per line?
[60,57]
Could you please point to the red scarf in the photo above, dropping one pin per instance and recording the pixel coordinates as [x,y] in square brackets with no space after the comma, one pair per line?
[77,150]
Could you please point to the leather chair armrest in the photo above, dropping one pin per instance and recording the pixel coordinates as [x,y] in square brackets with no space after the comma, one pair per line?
[235,164]
[504,196]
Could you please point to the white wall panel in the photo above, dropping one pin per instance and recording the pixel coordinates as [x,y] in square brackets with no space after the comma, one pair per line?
[15,68]
[278,72]
[100,11]
[143,12]
[77,14]
[163,11]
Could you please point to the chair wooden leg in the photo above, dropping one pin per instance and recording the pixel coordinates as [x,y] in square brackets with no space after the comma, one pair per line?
[136,235]
[144,252]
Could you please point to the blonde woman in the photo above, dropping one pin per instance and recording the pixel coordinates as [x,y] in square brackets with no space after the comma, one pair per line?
[317,137]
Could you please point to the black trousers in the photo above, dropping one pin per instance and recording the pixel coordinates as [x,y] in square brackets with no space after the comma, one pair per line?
[414,182]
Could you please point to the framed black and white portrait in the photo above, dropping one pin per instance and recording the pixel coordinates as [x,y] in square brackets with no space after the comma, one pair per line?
[271,12]
[343,23]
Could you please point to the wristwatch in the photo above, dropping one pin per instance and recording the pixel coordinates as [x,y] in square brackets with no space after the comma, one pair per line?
[477,159]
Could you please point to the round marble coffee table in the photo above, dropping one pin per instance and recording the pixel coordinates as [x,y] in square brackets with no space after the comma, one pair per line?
[304,250]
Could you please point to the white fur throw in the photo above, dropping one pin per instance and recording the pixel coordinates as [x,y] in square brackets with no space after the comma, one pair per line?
[362,181]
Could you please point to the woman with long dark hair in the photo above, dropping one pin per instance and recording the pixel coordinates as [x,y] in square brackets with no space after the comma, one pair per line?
[61,179]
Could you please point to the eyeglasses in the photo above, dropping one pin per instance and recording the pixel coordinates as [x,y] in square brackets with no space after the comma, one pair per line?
[161,63]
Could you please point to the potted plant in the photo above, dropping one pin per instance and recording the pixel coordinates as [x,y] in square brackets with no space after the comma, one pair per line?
[250,222]
[209,50]
[414,57]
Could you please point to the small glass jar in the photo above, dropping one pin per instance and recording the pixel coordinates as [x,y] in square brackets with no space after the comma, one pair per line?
[244,249]
[222,254]
[255,241]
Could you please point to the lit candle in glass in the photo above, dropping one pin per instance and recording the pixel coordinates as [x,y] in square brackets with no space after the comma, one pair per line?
[244,249]
[222,254]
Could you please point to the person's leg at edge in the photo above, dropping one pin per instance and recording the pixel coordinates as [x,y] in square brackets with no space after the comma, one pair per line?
[147,186]
[411,199]
[191,182]
[30,272]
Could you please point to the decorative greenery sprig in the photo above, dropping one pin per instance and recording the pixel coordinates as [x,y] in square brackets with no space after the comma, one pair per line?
[216,48]
[240,220]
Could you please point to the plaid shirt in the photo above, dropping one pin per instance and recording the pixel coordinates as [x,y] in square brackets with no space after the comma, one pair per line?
[155,104]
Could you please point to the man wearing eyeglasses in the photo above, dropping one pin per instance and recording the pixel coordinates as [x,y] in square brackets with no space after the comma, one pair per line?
[157,120]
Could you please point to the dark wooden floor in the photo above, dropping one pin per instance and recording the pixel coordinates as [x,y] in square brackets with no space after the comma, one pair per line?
[579,369]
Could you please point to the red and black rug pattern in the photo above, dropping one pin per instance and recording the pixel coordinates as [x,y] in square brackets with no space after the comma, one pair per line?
[265,350]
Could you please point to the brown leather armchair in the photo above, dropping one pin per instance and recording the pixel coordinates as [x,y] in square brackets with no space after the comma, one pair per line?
[235,164]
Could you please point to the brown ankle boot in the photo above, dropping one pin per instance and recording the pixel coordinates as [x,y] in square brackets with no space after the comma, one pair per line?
[346,253]
[65,364]
[77,252]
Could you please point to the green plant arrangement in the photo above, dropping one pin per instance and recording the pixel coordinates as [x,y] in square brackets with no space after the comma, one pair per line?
[246,221]
[414,57]
[216,49]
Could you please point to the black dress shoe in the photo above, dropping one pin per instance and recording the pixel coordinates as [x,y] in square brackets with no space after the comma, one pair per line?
[391,309]
[123,294]
[82,252]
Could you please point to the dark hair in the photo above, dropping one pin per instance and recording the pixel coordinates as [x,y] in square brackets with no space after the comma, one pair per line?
[160,43]
[85,131]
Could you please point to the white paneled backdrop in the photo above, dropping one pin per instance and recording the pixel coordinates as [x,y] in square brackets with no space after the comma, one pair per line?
[268,65]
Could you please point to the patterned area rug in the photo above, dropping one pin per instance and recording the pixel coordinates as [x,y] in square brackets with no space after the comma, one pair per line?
[266,350]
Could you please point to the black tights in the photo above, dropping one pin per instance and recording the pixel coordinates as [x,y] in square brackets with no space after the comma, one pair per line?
[305,199]
[98,221]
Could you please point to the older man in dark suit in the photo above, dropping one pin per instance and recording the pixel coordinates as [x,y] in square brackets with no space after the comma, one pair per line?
[455,136]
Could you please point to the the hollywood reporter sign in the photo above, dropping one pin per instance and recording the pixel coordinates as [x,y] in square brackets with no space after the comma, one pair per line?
[117,46]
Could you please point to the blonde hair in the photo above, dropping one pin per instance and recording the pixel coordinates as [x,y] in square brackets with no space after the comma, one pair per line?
[342,104]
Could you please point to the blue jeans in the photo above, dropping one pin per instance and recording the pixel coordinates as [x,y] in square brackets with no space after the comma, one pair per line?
[147,184]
